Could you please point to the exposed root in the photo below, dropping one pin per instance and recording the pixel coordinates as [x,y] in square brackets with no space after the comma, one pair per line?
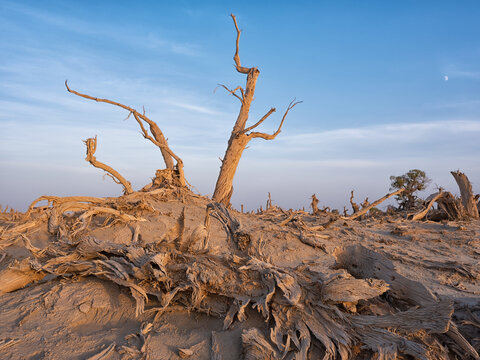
[304,307]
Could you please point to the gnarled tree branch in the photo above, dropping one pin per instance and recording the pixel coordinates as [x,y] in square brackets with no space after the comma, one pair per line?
[164,147]
[91,144]
[158,138]
[236,57]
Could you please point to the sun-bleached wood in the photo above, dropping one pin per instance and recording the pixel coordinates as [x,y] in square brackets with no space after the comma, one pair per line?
[420,215]
[158,138]
[91,144]
[372,205]
[241,134]
[466,193]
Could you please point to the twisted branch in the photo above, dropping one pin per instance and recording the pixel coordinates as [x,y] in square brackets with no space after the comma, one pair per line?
[159,141]
[236,57]
[91,144]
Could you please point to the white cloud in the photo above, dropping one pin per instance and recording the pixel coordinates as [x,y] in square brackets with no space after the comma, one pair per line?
[118,34]
[382,135]
[194,108]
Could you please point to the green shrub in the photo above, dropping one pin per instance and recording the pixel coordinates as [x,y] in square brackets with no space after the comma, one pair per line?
[413,181]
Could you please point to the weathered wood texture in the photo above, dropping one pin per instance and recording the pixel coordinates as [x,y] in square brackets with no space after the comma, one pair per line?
[302,306]
[241,135]
[466,193]
[158,138]
[91,144]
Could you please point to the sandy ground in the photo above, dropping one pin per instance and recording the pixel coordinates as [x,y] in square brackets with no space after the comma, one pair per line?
[90,317]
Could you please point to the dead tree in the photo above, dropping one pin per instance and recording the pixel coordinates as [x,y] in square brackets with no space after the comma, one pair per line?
[91,144]
[466,193]
[156,136]
[420,215]
[314,205]
[367,207]
[355,206]
[241,134]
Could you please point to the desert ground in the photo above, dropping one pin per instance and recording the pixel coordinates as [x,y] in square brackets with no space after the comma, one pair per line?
[169,274]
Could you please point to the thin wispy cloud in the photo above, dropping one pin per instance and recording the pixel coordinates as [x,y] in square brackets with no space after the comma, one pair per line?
[155,42]
[118,34]
[461,104]
[194,108]
[386,133]
[454,71]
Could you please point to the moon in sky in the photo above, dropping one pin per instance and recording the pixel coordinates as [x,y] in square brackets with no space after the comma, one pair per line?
[445,78]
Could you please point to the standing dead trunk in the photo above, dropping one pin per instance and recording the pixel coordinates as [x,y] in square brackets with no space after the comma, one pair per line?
[240,135]
[314,205]
[468,199]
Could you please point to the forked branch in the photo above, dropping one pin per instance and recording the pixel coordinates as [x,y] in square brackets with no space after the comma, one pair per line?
[274,135]
[233,92]
[91,144]
[162,146]
[270,112]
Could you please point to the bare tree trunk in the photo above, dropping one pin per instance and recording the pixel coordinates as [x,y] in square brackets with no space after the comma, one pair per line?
[240,135]
[468,199]
[91,144]
[314,205]
[355,206]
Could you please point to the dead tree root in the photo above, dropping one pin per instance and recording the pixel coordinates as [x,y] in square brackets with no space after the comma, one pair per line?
[302,306]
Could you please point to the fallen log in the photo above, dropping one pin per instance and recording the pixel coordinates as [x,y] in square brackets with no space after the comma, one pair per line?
[365,209]
[420,215]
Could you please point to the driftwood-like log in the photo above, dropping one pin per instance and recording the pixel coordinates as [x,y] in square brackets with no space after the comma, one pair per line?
[18,275]
[363,263]
[55,200]
[91,144]
[420,215]
[241,135]
[365,209]
[466,193]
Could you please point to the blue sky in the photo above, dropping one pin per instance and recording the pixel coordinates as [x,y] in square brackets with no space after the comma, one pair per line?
[386,87]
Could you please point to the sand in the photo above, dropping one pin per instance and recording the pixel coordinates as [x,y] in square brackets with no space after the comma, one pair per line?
[143,280]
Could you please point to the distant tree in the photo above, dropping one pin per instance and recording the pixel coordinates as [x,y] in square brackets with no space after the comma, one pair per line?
[413,181]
